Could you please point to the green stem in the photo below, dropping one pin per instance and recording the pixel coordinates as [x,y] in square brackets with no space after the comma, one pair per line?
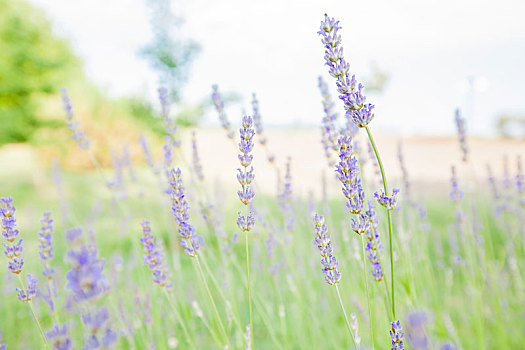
[390,227]
[34,315]
[223,330]
[346,317]
[179,318]
[365,276]
[249,285]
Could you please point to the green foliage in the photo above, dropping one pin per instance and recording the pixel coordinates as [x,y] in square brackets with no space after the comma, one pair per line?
[33,62]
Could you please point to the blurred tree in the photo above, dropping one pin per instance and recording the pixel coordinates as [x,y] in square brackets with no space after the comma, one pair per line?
[33,62]
[168,53]
[509,125]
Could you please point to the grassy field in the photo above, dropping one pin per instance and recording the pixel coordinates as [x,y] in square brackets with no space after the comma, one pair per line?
[458,282]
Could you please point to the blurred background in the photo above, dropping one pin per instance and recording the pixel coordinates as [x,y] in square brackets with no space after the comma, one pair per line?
[418,61]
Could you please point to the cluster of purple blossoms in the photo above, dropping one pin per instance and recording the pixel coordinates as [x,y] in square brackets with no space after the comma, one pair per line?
[245,176]
[396,333]
[168,155]
[354,100]
[462,137]
[385,201]
[13,251]
[28,294]
[72,123]
[248,338]
[197,166]
[259,128]
[328,129]
[373,244]
[153,256]
[456,195]
[257,120]
[171,127]
[85,279]
[324,244]
[88,284]
[148,158]
[219,106]
[285,198]
[59,338]
[347,171]
[179,207]
[45,248]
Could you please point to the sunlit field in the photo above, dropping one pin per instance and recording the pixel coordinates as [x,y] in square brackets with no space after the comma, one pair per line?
[338,237]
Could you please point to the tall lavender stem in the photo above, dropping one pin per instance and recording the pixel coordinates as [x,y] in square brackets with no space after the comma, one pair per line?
[246,194]
[357,110]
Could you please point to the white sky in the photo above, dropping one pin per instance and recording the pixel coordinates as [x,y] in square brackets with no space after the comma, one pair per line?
[270,47]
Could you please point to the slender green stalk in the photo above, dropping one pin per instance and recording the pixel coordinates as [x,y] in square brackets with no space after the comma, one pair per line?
[389,214]
[365,276]
[249,285]
[223,330]
[179,319]
[346,317]
[46,343]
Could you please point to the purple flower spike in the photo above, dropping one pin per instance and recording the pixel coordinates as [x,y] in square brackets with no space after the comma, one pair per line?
[462,137]
[456,195]
[72,123]
[354,100]
[28,295]
[328,129]
[347,171]
[324,244]
[385,201]
[219,106]
[2,346]
[45,248]
[197,166]
[171,127]
[245,176]
[153,256]
[179,206]
[59,339]
[9,232]
[397,335]
[373,244]
[7,210]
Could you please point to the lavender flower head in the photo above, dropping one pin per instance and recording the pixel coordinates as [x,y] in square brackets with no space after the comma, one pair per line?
[148,158]
[328,129]
[397,335]
[153,256]
[72,123]
[85,279]
[460,125]
[373,243]
[12,251]
[347,171]
[354,100]
[171,127]
[386,201]
[324,244]
[219,106]
[179,206]
[245,176]
[28,294]
[2,346]
[45,248]
[257,120]
[197,167]
[58,338]
[456,195]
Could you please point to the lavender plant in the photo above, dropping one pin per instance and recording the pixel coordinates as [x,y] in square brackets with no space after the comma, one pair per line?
[246,194]
[357,110]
